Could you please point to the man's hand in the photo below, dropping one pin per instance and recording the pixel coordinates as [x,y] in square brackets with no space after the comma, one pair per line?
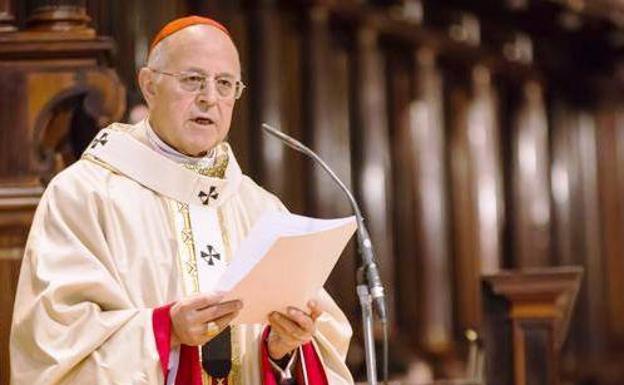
[289,331]
[199,318]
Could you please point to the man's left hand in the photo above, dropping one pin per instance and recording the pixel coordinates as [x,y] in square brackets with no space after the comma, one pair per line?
[291,330]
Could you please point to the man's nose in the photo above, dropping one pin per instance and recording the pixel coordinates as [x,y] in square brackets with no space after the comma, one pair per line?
[207,96]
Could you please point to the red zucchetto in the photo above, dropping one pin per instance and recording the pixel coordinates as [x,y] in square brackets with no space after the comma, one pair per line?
[183,22]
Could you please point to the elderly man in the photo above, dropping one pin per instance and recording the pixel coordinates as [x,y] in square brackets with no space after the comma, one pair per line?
[117,279]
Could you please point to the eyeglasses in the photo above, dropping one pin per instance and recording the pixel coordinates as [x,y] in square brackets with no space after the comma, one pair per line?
[227,87]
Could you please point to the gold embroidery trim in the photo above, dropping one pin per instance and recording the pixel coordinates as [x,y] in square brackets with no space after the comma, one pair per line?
[189,258]
[220,165]
[100,163]
[224,235]
[236,362]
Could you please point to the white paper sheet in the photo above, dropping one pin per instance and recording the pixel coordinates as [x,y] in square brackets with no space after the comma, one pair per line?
[284,261]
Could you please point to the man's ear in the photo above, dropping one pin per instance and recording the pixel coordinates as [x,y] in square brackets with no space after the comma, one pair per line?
[147,85]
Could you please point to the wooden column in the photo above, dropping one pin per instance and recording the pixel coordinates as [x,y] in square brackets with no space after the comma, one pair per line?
[408,236]
[484,142]
[463,221]
[593,293]
[427,133]
[476,188]
[424,304]
[611,181]
[577,231]
[530,179]
[610,158]
[371,157]
[564,180]
[56,90]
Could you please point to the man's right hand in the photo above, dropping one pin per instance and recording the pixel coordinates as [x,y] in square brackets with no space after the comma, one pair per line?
[194,318]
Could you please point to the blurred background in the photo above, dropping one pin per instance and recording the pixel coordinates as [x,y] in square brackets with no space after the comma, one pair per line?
[483,138]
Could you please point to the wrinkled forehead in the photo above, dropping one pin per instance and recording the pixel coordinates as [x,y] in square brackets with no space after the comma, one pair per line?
[201,46]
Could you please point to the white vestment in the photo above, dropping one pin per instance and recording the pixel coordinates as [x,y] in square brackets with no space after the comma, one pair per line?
[123,231]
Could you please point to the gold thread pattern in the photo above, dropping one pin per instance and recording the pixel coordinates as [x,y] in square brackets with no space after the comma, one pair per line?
[236,359]
[100,163]
[220,165]
[189,260]
[173,211]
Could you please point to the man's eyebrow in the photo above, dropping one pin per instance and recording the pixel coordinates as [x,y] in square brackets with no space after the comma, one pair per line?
[203,72]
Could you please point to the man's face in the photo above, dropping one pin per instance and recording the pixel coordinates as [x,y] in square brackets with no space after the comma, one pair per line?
[192,122]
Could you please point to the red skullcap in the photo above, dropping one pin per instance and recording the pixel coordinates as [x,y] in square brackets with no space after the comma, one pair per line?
[183,22]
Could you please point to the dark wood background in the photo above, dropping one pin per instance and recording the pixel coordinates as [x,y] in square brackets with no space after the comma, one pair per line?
[477,135]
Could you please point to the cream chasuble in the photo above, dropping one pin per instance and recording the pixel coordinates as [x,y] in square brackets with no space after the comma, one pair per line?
[121,232]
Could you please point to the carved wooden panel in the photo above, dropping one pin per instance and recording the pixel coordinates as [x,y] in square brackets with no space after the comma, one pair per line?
[56,90]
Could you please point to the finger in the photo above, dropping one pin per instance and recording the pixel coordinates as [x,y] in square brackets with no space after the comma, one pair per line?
[315,309]
[225,321]
[285,336]
[214,312]
[303,320]
[207,331]
[219,303]
[212,327]
[292,328]
[200,301]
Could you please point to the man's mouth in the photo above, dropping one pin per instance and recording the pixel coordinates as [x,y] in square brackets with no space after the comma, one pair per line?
[203,121]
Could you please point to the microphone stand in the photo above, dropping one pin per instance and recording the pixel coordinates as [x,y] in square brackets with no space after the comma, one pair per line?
[369,287]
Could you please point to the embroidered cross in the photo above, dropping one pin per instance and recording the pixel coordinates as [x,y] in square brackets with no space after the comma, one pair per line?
[211,255]
[205,197]
[103,139]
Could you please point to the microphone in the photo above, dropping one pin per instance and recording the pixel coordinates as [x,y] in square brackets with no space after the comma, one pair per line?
[369,267]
